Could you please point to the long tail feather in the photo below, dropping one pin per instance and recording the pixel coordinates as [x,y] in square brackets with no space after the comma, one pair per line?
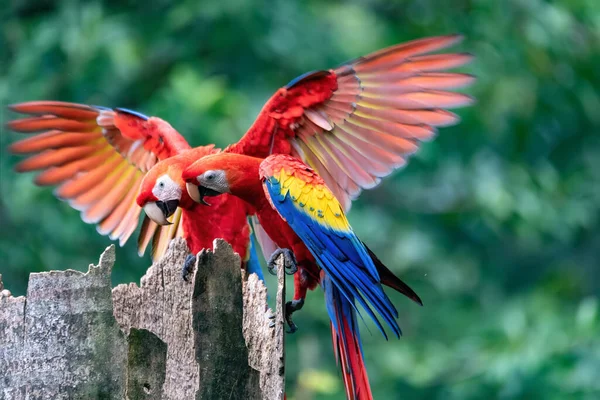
[346,342]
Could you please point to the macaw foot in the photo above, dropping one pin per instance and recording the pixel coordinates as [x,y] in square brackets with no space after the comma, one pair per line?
[290,308]
[188,266]
[289,262]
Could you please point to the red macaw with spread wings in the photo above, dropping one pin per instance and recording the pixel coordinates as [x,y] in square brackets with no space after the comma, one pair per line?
[353,125]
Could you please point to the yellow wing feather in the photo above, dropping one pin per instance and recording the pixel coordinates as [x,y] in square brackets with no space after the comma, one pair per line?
[315,200]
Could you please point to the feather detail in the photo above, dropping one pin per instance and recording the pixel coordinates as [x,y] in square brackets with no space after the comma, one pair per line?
[346,342]
[147,232]
[53,139]
[396,55]
[109,223]
[61,109]
[97,156]
[57,157]
[388,102]
[35,124]
[85,182]
[56,175]
[318,119]
[104,206]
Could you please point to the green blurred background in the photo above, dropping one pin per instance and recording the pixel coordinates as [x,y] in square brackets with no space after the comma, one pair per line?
[495,224]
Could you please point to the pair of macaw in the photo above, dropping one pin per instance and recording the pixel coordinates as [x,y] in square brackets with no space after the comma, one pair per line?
[315,145]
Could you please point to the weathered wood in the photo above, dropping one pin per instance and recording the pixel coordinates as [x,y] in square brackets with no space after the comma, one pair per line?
[265,343]
[63,340]
[146,365]
[217,323]
[162,305]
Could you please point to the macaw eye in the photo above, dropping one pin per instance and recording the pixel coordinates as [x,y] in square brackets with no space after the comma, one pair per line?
[210,176]
[161,185]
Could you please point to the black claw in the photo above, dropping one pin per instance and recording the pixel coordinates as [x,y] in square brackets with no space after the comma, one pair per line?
[291,269]
[272,268]
[290,308]
[188,266]
[293,327]
[289,262]
[272,324]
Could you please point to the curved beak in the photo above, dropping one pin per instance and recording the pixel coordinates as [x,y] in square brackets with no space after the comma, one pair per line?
[159,211]
[194,192]
[198,193]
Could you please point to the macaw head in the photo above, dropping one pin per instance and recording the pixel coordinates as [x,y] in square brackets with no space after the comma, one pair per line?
[163,190]
[221,173]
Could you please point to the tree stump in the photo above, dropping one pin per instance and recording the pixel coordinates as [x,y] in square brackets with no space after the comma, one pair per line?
[72,337]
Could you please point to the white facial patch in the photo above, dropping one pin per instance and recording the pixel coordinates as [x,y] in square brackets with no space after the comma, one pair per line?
[166,189]
[214,179]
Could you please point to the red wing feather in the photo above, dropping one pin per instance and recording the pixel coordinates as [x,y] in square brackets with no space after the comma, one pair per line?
[98,156]
[359,122]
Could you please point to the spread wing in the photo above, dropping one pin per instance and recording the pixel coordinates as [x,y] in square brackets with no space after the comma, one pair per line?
[97,158]
[316,216]
[357,123]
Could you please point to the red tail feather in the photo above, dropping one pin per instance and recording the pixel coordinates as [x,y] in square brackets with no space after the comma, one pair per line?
[346,342]
[349,354]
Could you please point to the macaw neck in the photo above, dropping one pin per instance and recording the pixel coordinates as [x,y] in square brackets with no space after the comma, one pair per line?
[248,185]
[225,218]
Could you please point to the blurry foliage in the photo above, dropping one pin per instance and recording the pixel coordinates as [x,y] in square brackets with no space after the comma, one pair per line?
[495,223]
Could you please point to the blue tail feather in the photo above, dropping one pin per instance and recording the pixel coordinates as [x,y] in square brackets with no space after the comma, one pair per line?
[253,265]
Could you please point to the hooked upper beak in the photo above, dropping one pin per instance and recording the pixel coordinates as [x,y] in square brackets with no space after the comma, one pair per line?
[159,211]
[197,193]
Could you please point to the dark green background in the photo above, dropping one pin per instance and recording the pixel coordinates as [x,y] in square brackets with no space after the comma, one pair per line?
[495,223]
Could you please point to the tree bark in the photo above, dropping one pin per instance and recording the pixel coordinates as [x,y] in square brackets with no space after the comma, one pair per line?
[71,337]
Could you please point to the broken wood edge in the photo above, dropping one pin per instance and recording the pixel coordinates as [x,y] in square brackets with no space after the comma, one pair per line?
[259,346]
[268,362]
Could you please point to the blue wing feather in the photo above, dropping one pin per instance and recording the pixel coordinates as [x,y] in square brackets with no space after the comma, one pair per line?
[131,112]
[342,256]
[306,77]
[338,307]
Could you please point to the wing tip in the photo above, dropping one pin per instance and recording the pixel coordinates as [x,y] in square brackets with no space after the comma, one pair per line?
[14,106]
[455,38]
[23,166]
[468,101]
[468,56]
[14,125]
[16,147]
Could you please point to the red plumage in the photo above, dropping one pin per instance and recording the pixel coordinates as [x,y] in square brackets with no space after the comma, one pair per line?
[274,126]
[359,122]
[102,158]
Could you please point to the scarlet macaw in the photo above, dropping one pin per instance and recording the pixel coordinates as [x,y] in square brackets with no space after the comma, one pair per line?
[353,125]
[299,212]
[358,122]
[101,158]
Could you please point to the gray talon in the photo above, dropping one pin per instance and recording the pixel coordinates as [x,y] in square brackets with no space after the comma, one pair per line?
[289,262]
[188,266]
[290,308]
